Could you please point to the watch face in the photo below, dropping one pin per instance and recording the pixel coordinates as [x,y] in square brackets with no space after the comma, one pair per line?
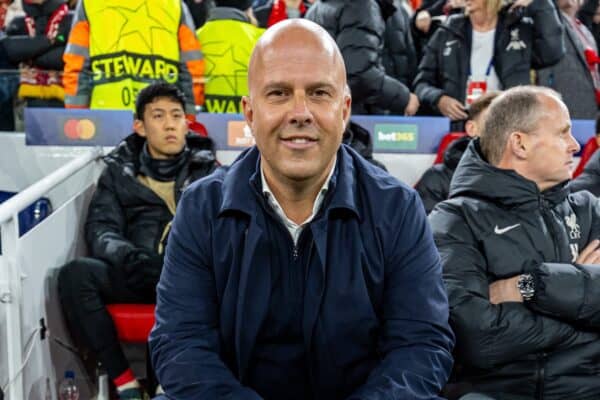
[526,286]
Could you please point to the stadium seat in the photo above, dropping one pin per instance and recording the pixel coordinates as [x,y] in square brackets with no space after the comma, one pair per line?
[446,140]
[588,150]
[133,323]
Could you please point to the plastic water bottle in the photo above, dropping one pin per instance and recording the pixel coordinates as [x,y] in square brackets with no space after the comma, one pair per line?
[103,389]
[48,394]
[67,389]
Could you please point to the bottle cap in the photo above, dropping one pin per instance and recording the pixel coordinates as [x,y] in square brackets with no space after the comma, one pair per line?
[69,374]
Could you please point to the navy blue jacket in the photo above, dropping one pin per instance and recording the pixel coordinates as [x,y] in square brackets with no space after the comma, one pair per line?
[375,321]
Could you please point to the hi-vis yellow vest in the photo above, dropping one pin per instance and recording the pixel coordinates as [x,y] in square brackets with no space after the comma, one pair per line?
[226,45]
[132,44]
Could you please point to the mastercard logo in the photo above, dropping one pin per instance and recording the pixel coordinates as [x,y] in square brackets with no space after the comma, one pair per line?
[83,129]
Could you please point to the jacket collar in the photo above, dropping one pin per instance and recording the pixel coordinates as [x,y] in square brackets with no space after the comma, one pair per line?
[245,172]
[475,177]
[572,36]
[125,155]
[387,8]
[220,13]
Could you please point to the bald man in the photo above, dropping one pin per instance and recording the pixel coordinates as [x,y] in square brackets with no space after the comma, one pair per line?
[521,257]
[302,272]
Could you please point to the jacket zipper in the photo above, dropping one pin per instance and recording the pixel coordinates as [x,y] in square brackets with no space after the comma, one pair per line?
[541,372]
[546,214]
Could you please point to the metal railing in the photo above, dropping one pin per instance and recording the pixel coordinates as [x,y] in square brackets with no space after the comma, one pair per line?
[11,275]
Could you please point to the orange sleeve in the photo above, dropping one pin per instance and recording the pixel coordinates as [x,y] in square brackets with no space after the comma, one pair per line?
[76,55]
[192,56]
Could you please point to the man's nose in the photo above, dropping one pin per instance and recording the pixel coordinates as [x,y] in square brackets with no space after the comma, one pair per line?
[170,122]
[575,146]
[300,114]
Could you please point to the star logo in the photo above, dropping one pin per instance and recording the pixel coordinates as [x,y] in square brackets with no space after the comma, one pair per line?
[134,25]
[141,23]
[226,67]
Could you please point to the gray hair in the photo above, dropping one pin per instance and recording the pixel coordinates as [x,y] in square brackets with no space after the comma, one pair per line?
[516,110]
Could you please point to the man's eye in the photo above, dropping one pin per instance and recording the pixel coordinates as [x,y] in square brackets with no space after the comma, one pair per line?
[276,93]
[157,116]
[321,92]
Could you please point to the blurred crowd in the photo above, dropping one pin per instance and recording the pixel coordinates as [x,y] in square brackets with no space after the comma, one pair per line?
[433,57]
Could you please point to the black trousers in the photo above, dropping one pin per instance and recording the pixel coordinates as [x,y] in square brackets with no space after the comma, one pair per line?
[86,286]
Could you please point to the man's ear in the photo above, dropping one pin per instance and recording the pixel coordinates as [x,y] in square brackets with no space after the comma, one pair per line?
[598,139]
[519,144]
[347,108]
[247,110]
[138,127]
[470,127]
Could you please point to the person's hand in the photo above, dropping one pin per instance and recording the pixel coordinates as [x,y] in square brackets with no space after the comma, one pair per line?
[591,253]
[520,4]
[452,108]
[423,21]
[412,106]
[143,274]
[505,290]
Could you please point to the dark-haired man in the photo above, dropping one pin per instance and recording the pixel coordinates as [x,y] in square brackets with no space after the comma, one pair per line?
[434,185]
[521,257]
[127,224]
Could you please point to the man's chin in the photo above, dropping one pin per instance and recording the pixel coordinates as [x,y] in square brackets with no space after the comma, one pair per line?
[173,150]
[300,175]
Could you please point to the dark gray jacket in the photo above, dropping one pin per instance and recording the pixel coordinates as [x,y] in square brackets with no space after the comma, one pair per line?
[590,177]
[497,225]
[399,54]
[358,27]
[571,76]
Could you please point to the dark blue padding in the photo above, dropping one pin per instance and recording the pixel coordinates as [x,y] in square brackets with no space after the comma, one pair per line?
[32,215]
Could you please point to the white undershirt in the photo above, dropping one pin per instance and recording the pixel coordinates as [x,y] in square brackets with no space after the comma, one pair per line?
[294,228]
[482,50]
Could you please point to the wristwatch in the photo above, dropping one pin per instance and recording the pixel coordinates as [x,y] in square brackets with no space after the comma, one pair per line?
[526,286]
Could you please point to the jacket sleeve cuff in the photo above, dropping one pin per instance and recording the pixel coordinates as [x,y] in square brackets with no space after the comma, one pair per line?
[395,95]
[559,290]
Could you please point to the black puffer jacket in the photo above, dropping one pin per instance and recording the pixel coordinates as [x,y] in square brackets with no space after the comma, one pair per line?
[434,185]
[534,40]
[124,215]
[434,8]
[590,177]
[358,27]
[38,50]
[399,54]
[497,225]
[361,140]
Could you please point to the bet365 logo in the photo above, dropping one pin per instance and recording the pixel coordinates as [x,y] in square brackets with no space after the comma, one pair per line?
[396,136]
